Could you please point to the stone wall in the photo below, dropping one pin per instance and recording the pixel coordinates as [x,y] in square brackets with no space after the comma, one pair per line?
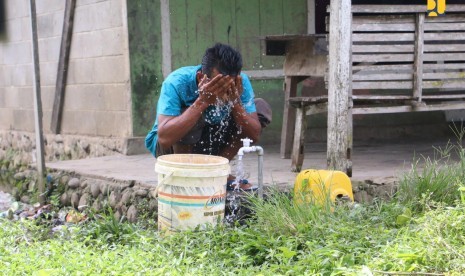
[18,148]
[382,188]
[128,200]
[97,98]
[18,176]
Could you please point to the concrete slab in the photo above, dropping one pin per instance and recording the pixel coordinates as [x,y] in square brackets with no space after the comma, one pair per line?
[370,161]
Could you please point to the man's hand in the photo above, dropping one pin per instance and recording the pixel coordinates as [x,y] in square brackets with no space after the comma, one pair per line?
[217,88]
[235,92]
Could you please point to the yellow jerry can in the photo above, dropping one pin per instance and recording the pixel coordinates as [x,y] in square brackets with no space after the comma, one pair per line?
[316,186]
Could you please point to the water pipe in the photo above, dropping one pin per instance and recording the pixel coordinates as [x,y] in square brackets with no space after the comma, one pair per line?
[259,150]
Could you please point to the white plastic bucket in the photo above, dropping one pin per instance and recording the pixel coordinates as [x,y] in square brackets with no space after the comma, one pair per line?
[191,190]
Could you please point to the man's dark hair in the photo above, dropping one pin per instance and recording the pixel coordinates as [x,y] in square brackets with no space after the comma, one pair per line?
[223,57]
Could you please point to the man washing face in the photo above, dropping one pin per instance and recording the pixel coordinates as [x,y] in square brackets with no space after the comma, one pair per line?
[208,108]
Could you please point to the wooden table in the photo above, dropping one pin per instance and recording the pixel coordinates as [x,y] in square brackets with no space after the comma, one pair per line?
[305,56]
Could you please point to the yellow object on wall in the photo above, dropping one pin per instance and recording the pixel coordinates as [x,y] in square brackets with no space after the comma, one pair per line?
[316,186]
[435,7]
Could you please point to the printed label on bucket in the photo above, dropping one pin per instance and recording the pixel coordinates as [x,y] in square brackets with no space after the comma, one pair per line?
[188,207]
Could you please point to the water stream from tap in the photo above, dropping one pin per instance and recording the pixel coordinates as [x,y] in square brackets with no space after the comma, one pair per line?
[239,173]
[233,198]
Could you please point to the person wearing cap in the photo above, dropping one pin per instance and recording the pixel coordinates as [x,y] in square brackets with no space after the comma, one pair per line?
[208,108]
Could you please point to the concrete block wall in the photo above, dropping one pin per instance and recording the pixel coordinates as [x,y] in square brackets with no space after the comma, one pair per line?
[97,98]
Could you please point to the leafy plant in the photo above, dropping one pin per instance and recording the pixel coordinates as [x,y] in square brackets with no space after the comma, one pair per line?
[106,228]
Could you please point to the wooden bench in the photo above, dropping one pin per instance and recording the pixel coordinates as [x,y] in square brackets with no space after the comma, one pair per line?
[407,61]
[305,56]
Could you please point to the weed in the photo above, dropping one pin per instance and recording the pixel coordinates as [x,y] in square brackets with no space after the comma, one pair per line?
[106,228]
[281,213]
[435,180]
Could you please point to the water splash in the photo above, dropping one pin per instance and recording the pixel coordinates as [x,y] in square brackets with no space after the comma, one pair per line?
[233,204]
[234,208]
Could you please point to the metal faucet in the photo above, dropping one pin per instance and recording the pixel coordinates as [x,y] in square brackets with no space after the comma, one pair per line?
[259,150]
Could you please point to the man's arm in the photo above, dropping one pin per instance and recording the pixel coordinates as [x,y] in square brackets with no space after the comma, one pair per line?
[247,122]
[172,128]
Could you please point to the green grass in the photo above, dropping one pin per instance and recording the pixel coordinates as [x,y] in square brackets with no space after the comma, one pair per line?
[343,242]
[437,179]
[421,230]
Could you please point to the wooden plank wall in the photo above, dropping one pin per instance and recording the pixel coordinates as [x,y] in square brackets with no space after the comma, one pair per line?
[444,57]
[196,25]
[386,57]
[383,51]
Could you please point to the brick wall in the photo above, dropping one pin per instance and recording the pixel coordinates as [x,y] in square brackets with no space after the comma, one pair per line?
[97,100]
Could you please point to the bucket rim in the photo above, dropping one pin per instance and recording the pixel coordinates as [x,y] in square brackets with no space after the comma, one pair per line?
[221,160]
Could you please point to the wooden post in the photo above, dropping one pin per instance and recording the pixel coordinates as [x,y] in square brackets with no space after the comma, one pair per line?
[287,132]
[339,87]
[166,66]
[418,59]
[311,16]
[37,105]
[299,139]
[62,71]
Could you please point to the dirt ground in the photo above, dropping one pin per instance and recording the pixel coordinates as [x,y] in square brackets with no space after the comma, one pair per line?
[372,162]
